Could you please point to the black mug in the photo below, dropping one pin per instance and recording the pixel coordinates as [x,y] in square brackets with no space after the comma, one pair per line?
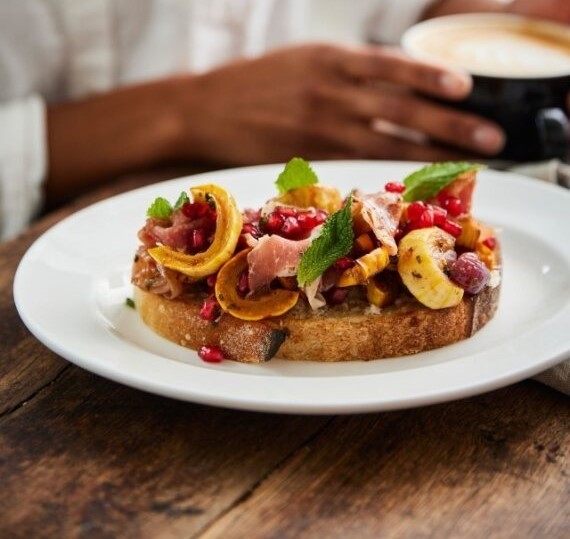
[528,99]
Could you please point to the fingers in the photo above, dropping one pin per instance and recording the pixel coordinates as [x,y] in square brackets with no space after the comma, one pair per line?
[409,151]
[352,139]
[432,120]
[393,65]
[443,124]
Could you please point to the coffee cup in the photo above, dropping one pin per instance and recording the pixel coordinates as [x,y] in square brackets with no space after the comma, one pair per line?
[521,75]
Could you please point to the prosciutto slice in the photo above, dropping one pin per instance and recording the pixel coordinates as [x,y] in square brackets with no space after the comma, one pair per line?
[274,256]
[150,276]
[174,232]
[382,212]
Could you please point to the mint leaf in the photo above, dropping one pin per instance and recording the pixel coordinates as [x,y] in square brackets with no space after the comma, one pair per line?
[182,199]
[335,241]
[297,173]
[430,180]
[160,209]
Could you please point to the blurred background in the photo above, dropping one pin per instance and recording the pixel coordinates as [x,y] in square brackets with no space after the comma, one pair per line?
[93,90]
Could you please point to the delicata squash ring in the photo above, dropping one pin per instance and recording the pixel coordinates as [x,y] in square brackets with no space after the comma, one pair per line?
[316,196]
[366,266]
[256,307]
[228,228]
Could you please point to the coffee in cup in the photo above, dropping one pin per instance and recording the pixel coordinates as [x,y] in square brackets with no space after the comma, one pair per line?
[521,75]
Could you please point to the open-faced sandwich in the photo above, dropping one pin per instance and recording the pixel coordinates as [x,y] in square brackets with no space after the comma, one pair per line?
[315,276]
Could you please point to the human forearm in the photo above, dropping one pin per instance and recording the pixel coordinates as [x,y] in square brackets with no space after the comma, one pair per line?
[103,136]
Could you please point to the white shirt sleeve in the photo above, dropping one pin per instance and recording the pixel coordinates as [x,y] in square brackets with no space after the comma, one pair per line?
[22,163]
[391,19]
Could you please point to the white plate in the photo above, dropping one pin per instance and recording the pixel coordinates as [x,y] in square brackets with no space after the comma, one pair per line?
[71,285]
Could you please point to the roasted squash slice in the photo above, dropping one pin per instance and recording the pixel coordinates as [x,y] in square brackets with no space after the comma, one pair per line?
[486,255]
[470,233]
[254,307]
[228,228]
[366,266]
[318,196]
[381,292]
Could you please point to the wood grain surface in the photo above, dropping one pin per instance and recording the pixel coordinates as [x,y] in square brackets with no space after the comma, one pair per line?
[81,456]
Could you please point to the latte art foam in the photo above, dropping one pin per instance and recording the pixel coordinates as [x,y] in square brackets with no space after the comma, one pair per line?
[516,51]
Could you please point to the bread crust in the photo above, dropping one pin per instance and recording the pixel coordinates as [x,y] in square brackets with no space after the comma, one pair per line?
[179,320]
[350,331]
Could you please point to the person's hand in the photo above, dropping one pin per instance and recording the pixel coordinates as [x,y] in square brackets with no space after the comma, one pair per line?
[320,101]
[556,10]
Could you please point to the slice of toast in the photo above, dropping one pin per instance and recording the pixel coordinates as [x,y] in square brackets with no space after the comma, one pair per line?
[350,331]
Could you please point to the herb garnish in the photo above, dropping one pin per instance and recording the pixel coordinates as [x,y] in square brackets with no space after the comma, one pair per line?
[335,241]
[430,180]
[297,173]
[162,209]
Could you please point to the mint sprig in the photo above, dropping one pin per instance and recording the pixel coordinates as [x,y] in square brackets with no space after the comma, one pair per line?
[182,199]
[297,173]
[335,241]
[430,180]
[162,209]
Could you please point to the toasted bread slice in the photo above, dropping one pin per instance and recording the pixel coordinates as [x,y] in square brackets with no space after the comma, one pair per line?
[350,331]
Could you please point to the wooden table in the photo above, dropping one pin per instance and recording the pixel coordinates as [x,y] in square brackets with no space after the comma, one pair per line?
[81,456]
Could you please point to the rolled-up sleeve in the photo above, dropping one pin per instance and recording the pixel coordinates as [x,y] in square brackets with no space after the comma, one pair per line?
[22,162]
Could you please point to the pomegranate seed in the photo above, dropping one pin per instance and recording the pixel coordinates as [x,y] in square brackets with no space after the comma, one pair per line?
[321,216]
[250,228]
[336,296]
[291,227]
[451,228]
[394,187]
[188,210]
[344,263]
[415,210]
[210,309]
[210,354]
[195,210]
[243,284]
[414,225]
[426,218]
[307,220]
[198,239]
[490,242]
[286,212]
[439,215]
[273,222]
[211,280]
[453,205]
[212,215]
